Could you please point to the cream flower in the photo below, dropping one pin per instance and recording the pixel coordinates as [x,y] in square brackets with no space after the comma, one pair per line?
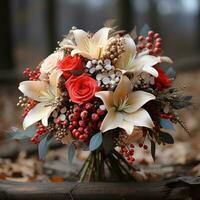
[89,47]
[50,63]
[46,93]
[130,61]
[124,107]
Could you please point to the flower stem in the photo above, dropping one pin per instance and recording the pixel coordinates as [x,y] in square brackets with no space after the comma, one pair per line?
[94,167]
[85,169]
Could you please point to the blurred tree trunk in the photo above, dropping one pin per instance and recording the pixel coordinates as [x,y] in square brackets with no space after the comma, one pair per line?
[6,47]
[23,12]
[153,16]
[51,25]
[125,14]
[198,28]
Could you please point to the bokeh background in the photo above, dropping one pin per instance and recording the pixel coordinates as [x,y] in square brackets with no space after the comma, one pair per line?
[29,31]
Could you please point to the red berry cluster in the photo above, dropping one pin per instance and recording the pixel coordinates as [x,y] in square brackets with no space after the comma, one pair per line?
[167,116]
[83,120]
[153,42]
[40,131]
[128,152]
[141,145]
[32,75]
[30,104]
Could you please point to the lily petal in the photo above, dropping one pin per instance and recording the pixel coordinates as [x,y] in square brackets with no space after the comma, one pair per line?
[100,37]
[166,59]
[145,63]
[90,47]
[37,113]
[129,53]
[122,91]
[68,46]
[85,54]
[112,120]
[98,42]
[137,99]
[139,118]
[81,39]
[44,77]
[128,127]
[36,90]
[106,97]
[50,63]
[53,81]
[45,118]
[95,51]
[151,71]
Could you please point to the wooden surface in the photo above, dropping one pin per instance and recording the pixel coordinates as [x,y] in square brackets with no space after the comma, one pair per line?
[179,188]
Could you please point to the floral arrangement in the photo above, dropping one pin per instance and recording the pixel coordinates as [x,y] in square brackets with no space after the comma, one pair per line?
[103,93]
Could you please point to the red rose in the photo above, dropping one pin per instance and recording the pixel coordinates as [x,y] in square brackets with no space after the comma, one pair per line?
[69,64]
[81,88]
[162,81]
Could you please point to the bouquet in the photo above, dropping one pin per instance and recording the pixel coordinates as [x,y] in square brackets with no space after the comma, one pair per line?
[106,93]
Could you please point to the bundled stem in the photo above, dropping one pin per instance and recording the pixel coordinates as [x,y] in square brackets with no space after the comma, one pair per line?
[101,167]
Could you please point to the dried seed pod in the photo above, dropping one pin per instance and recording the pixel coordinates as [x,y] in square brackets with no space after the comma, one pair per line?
[114,49]
[59,135]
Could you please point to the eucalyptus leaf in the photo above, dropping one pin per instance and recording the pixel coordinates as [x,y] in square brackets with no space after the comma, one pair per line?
[43,146]
[71,152]
[167,124]
[171,73]
[95,141]
[144,30]
[22,134]
[187,98]
[181,104]
[166,138]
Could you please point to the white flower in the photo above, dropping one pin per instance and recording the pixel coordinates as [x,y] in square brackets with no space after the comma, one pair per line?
[89,47]
[50,63]
[46,93]
[124,107]
[130,61]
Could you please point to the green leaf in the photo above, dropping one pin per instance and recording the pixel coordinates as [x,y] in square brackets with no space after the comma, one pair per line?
[43,146]
[181,104]
[71,152]
[144,30]
[167,124]
[153,150]
[23,134]
[95,141]
[166,138]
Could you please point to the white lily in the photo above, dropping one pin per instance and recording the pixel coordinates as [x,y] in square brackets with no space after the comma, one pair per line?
[50,63]
[46,93]
[89,47]
[130,61]
[124,107]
